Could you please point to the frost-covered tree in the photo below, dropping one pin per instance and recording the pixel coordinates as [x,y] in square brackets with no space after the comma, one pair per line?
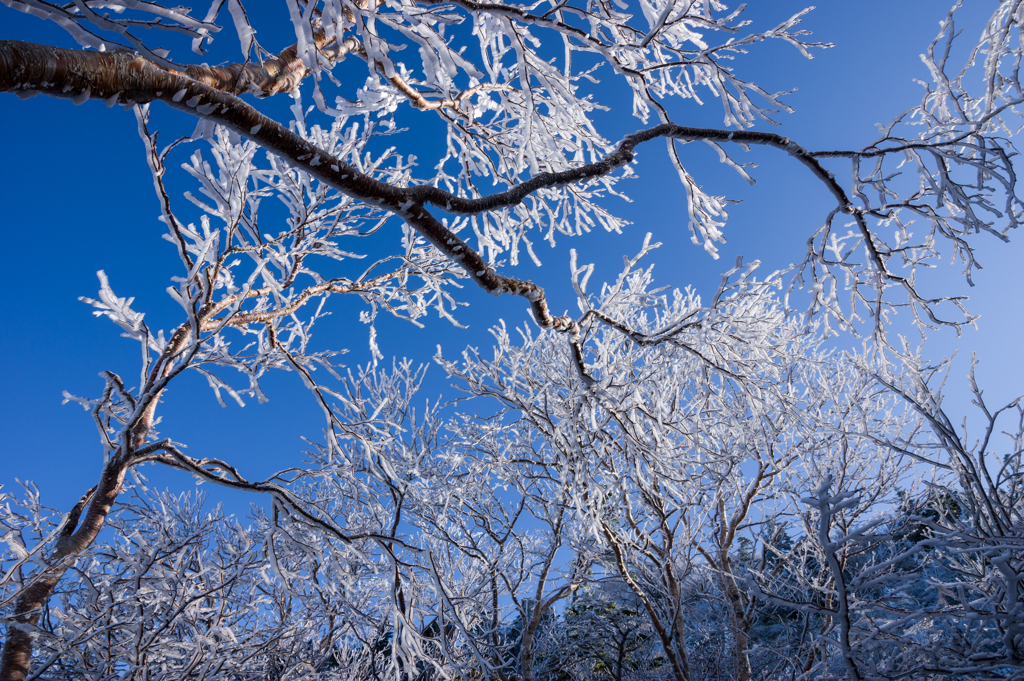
[676,449]
[524,160]
[879,581]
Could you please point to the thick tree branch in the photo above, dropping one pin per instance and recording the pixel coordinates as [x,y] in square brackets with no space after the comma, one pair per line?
[125,78]
[282,73]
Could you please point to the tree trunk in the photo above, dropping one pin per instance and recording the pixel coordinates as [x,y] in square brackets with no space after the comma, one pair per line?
[679,630]
[526,656]
[740,625]
[29,606]
[75,538]
[530,627]
[673,638]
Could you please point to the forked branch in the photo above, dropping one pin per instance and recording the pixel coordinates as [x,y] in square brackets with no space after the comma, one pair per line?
[129,79]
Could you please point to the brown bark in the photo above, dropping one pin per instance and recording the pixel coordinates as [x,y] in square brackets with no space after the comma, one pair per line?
[16,658]
[125,78]
[282,73]
[81,530]
[120,78]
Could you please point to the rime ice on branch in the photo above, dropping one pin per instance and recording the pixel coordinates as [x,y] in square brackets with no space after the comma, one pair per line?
[523,161]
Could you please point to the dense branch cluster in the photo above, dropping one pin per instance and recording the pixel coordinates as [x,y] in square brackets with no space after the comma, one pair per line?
[670,511]
[659,487]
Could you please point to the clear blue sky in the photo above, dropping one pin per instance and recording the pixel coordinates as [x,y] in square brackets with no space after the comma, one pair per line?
[77,198]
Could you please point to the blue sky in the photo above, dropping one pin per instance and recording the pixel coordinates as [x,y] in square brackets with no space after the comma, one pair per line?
[78,197]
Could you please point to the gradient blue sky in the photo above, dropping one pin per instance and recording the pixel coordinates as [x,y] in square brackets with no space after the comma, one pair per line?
[77,198]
